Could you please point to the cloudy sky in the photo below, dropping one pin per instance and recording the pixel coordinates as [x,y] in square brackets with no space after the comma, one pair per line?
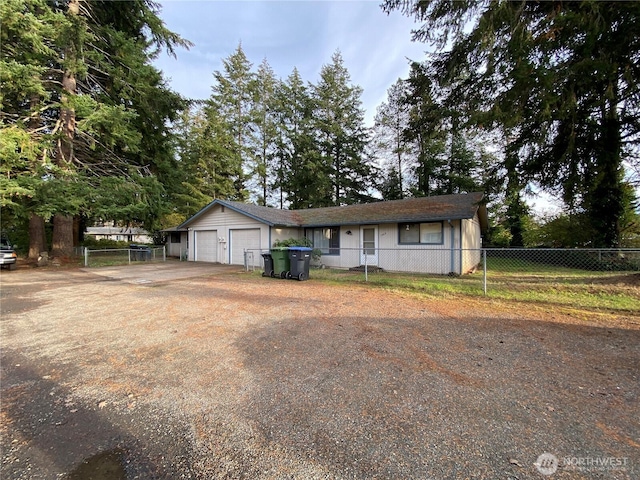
[294,33]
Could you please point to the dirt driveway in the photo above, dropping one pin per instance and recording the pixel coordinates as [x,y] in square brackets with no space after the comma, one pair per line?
[230,375]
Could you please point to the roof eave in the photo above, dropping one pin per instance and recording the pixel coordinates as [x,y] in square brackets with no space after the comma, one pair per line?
[227,205]
[387,222]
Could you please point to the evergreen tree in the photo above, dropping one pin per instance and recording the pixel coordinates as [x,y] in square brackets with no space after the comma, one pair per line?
[391,143]
[301,175]
[232,102]
[265,134]
[391,186]
[425,132]
[81,110]
[562,76]
[341,134]
[206,160]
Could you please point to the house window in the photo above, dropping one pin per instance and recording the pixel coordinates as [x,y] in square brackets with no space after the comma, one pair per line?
[326,239]
[420,233]
[175,237]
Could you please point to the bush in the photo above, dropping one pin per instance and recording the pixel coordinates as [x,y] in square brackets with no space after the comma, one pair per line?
[299,242]
[293,242]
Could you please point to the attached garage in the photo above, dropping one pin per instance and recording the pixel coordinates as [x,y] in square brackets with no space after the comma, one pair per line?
[206,243]
[241,240]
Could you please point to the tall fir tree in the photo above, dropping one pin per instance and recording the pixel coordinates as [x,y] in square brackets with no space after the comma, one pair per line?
[78,115]
[301,175]
[391,144]
[232,101]
[265,133]
[562,76]
[342,135]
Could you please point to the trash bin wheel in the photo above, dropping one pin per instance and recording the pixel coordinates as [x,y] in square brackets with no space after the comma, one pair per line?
[272,274]
[284,275]
[268,274]
[302,276]
[289,276]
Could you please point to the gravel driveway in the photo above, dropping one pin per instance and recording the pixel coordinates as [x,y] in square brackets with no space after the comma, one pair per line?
[236,376]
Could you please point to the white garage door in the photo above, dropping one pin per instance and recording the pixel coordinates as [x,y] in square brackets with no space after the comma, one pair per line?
[244,239]
[206,245]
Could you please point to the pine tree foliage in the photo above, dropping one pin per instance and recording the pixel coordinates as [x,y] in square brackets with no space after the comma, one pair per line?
[265,136]
[298,145]
[561,78]
[232,103]
[301,176]
[342,135]
[82,108]
[391,145]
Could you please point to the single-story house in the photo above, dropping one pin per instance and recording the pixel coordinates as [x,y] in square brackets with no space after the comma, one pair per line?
[120,234]
[439,234]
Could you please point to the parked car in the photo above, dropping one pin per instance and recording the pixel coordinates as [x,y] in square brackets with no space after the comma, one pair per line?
[8,257]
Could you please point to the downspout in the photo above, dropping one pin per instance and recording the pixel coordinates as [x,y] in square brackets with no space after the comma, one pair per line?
[453,236]
[461,245]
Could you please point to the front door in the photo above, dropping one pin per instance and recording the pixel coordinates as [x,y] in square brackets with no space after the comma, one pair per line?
[369,245]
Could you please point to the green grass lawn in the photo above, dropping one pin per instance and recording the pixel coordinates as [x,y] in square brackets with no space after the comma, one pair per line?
[515,282]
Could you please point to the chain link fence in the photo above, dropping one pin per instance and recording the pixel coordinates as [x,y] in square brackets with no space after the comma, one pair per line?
[122,256]
[476,270]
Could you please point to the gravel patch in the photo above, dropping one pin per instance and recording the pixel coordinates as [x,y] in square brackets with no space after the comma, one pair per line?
[237,376]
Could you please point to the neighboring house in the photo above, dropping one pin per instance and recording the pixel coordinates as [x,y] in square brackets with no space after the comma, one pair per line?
[120,234]
[441,234]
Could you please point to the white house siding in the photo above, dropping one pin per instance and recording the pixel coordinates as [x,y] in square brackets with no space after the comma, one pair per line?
[349,250]
[284,233]
[418,258]
[177,249]
[173,249]
[224,222]
[403,258]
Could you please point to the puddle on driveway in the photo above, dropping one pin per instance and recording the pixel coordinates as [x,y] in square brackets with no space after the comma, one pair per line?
[103,466]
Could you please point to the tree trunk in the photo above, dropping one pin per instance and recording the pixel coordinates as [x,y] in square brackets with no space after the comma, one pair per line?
[37,238]
[62,242]
[78,230]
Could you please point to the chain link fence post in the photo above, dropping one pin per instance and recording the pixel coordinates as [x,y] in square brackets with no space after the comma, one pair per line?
[366,268]
[484,271]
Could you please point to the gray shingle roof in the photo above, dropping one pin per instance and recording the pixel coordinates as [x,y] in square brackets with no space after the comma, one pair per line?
[422,209]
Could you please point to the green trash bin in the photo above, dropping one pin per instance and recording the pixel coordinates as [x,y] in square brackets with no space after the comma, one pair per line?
[281,262]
